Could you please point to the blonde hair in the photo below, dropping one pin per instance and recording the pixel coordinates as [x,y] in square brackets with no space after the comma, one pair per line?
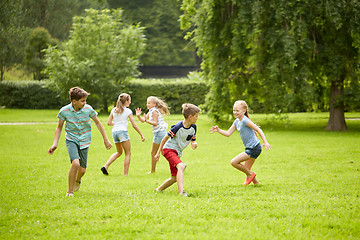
[189,109]
[120,104]
[159,104]
[243,105]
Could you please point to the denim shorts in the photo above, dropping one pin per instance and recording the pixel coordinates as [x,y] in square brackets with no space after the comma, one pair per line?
[120,136]
[158,136]
[76,153]
[254,152]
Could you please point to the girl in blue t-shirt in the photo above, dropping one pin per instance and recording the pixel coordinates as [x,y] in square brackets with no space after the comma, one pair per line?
[247,130]
[157,108]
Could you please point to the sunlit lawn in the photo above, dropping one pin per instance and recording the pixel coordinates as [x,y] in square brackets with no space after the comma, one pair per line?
[310,184]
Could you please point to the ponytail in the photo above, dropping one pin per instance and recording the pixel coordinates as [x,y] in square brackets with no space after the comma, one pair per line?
[120,104]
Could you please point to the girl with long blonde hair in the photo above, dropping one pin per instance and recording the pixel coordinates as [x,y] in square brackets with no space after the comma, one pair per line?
[157,108]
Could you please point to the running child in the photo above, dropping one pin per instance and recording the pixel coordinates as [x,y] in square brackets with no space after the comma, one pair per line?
[118,118]
[157,108]
[173,144]
[252,144]
[76,116]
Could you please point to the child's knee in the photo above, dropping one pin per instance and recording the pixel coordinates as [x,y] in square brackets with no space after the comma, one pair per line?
[180,167]
[75,163]
[234,162]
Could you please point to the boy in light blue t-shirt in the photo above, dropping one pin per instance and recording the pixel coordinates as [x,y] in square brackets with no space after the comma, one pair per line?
[76,117]
[172,145]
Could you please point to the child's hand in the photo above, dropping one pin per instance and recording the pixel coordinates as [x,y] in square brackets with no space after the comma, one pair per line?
[52,149]
[214,129]
[194,145]
[138,111]
[107,144]
[146,117]
[267,146]
[142,138]
[157,157]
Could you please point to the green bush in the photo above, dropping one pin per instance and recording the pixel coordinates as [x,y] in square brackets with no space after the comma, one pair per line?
[36,94]
[29,95]
[174,92]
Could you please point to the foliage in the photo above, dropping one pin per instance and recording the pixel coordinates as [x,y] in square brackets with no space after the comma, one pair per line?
[41,95]
[174,92]
[276,55]
[290,204]
[101,54]
[165,40]
[29,95]
[12,35]
[56,16]
[39,40]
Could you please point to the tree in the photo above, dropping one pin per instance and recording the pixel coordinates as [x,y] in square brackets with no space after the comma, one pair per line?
[39,40]
[56,16]
[12,35]
[165,40]
[101,54]
[276,54]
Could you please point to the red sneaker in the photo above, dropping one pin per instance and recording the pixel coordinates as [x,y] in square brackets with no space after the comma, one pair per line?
[249,179]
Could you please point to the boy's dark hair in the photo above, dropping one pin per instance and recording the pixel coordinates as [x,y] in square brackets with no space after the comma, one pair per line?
[189,109]
[77,93]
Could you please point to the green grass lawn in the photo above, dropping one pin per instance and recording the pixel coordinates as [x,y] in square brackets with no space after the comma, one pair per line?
[310,184]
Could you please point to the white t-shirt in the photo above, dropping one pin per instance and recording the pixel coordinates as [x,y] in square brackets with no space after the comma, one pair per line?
[121,119]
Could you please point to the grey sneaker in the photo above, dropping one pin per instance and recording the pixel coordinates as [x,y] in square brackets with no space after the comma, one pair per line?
[77,186]
[183,194]
[69,195]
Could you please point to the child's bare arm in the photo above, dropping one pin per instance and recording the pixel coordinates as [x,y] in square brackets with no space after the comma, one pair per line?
[110,121]
[135,126]
[155,117]
[107,143]
[138,114]
[227,133]
[56,137]
[261,133]
[193,145]
[163,141]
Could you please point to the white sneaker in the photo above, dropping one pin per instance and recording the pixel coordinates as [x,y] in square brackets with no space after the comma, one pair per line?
[69,195]
[77,186]
[183,194]
[157,190]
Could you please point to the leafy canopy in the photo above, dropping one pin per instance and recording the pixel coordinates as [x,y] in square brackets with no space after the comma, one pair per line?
[100,56]
[277,55]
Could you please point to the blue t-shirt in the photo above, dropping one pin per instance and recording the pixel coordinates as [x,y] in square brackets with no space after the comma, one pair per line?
[247,134]
[180,137]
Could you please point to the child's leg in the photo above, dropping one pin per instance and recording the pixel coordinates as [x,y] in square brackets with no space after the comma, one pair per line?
[75,165]
[248,164]
[167,183]
[154,150]
[113,157]
[180,176]
[127,148]
[80,173]
[236,163]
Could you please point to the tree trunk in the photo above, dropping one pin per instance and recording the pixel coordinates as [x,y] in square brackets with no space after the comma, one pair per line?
[337,116]
[105,106]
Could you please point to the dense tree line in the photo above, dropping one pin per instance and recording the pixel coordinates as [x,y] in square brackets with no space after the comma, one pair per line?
[285,55]
[19,18]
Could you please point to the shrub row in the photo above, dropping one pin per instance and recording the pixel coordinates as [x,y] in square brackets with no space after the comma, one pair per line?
[29,95]
[174,92]
[36,95]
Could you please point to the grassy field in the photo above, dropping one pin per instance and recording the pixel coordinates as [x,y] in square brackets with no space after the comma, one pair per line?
[310,184]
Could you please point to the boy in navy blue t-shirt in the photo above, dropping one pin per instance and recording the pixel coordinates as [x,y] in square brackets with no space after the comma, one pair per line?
[172,145]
